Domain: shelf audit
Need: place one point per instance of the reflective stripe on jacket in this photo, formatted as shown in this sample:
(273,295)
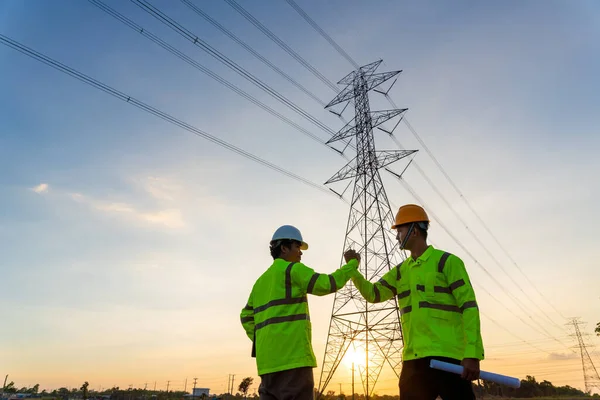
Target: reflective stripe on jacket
(438,308)
(276,317)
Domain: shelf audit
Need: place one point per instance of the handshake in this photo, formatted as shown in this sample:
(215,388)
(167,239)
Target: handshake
(351,255)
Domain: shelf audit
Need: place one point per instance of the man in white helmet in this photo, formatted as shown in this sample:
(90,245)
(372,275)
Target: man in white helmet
(276,317)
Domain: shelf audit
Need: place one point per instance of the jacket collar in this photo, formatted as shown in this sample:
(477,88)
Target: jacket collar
(423,258)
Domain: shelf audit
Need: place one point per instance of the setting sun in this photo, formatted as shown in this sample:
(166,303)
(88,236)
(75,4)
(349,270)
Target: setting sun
(356,356)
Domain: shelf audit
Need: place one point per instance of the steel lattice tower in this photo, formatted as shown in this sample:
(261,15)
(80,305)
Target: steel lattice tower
(590,374)
(373,329)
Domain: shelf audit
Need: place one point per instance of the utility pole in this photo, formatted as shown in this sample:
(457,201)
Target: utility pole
(155,386)
(4,384)
(590,374)
(168,382)
(185,385)
(194,391)
(352,380)
(232,379)
(373,329)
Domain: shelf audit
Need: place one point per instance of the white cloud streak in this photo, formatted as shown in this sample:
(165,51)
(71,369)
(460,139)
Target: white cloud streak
(41,188)
(161,188)
(563,356)
(170,218)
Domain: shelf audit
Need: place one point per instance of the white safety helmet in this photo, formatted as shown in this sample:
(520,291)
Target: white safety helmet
(291,233)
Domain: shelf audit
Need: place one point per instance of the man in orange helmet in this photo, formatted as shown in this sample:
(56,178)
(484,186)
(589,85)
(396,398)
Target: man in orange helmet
(439,313)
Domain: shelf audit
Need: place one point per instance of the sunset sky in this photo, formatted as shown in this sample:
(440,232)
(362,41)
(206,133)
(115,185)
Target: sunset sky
(129,245)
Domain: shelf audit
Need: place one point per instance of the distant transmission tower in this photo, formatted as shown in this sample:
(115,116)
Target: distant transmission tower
(590,374)
(373,330)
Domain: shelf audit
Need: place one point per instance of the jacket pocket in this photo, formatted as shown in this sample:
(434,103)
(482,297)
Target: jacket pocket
(447,326)
(429,283)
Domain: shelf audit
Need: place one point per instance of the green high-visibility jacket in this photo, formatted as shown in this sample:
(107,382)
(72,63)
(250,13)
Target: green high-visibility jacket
(438,308)
(276,317)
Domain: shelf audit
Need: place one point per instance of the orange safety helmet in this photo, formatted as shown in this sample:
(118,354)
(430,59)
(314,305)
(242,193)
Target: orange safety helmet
(410,213)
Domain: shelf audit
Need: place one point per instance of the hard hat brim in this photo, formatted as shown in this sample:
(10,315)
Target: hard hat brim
(396,226)
(304,246)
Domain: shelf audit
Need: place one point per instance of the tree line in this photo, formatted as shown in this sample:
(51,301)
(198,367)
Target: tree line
(116,393)
(530,388)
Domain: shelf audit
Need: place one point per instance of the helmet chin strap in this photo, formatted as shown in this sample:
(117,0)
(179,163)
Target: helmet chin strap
(405,239)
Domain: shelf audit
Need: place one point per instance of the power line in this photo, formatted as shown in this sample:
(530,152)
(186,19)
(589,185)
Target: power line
(555,353)
(147,34)
(256,54)
(473,235)
(317,28)
(463,197)
(162,17)
(513,334)
(515,344)
(154,111)
(281,43)
(128,22)
(457,241)
(482,288)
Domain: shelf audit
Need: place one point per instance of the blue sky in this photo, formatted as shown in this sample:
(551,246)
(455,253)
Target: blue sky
(129,244)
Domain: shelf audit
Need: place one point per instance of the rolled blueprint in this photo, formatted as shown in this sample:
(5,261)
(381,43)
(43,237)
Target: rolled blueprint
(486,376)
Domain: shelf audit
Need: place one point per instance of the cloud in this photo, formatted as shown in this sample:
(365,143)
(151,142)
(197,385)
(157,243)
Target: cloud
(171,218)
(41,188)
(562,356)
(161,188)
(115,207)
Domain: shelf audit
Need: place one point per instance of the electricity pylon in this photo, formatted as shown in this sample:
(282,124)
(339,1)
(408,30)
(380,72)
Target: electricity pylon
(372,329)
(590,374)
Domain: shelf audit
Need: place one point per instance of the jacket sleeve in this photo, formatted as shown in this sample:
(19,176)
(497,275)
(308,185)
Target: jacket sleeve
(380,291)
(462,290)
(247,318)
(318,284)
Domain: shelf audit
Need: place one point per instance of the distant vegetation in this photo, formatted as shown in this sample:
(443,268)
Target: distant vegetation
(530,388)
(245,386)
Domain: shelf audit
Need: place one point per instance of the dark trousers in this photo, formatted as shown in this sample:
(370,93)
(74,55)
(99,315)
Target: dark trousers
(420,382)
(293,384)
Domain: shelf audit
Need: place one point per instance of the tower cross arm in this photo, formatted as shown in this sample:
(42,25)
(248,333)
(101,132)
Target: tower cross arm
(366,69)
(347,171)
(377,118)
(344,95)
(387,157)
(377,79)
(373,81)
(382,159)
